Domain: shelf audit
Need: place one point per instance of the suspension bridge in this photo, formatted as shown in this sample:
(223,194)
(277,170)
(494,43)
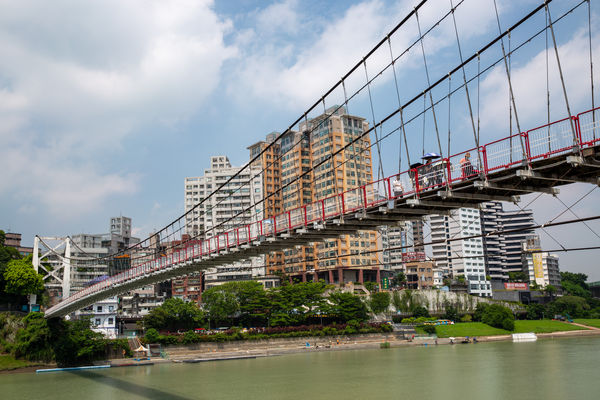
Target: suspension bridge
(534,160)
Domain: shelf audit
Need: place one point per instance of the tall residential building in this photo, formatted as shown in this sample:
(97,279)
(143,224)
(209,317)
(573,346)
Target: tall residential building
(14,240)
(418,235)
(297,191)
(235,204)
(503,251)
(540,267)
(270,164)
(400,238)
(461,257)
(310,172)
(83,272)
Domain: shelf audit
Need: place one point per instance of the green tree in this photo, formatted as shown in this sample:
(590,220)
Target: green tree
(379,302)
(174,314)
(33,341)
(578,279)
(348,307)
(371,286)
(7,254)
(419,311)
(255,306)
(550,291)
(576,307)
(74,343)
(399,280)
(292,304)
(220,303)
(21,279)
(479,311)
(517,276)
(499,317)
(152,336)
(450,312)
(536,311)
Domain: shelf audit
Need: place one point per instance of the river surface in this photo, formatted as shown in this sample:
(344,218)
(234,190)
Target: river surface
(566,368)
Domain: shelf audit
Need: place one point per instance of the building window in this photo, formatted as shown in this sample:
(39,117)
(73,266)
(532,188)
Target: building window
(111,308)
(97,322)
(111,321)
(99,309)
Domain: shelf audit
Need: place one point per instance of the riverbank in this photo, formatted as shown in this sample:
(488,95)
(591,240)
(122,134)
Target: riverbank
(320,344)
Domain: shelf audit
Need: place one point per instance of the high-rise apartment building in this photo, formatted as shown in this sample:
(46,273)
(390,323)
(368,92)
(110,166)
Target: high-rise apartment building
(461,257)
(268,164)
(396,244)
(236,203)
(540,267)
(309,171)
(502,249)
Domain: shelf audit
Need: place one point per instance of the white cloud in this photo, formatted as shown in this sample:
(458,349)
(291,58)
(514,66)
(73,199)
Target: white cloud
(76,79)
(529,86)
(295,75)
(279,17)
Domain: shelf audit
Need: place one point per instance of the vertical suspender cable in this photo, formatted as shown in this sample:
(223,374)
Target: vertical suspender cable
(478,85)
(510,131)
(424,114)
(562,80)
(380,173)
(547,82)
(356,172)
(401,113)
(591,67)
(510,88)
(480,161)
(437,132)
(449,110)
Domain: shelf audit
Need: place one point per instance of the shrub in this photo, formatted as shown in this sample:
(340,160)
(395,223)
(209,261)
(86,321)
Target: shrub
(466,318)
(419,311)
(189,337)
(152,336)
(384,345)
(429,329)
(451,313)
(123,345)
(479,311)
(499,317)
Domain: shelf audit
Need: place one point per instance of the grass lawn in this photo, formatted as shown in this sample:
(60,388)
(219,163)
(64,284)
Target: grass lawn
(7,362)
(481,329)
(591,322)
(544,326)
(468,329)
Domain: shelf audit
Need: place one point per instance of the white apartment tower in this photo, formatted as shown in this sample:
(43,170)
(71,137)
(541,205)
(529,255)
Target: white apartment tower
(219,213)
(461,257)
(540,267)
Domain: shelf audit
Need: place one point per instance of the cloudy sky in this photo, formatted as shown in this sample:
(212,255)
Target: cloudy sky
(105,106)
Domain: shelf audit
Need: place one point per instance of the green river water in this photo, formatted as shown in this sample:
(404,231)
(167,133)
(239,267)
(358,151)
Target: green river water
(547,369)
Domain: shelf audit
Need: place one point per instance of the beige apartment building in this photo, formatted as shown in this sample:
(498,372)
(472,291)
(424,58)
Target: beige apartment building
(309,172)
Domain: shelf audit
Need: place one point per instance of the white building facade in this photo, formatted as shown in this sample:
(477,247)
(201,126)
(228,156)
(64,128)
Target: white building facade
(103,317)
(461,257)
(540,267)
(235,204)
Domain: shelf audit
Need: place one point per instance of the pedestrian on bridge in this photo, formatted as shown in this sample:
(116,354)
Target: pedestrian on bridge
(466,166)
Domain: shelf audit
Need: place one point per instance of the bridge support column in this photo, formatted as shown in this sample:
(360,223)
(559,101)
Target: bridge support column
(340,276)
(378,277)
(315,277)
(360,276)
(330,276)
(304,277)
